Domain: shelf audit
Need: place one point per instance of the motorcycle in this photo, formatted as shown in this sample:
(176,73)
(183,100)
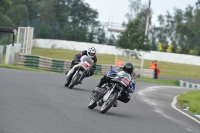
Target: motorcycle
(78,72)
(110,92)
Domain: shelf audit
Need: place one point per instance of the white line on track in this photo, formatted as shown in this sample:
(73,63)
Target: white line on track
(173,104)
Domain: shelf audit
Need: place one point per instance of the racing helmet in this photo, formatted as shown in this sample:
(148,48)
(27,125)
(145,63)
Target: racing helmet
(91,52)
(128,67)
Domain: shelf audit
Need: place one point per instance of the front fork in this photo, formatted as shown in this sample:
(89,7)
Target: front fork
(108,93)
(79,72)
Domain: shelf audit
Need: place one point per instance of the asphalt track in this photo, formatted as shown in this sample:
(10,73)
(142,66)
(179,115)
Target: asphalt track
(35,102)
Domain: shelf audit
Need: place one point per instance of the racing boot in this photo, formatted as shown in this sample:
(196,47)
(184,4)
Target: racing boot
(66,72)
(96,90)
(115,104)
(80,82)
(100,103)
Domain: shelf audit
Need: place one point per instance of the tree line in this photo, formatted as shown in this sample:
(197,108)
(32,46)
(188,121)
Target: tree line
(72,20)
(177,32)
(75,20)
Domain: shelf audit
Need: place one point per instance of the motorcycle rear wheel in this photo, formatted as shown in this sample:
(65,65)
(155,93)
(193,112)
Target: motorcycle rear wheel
(108,104)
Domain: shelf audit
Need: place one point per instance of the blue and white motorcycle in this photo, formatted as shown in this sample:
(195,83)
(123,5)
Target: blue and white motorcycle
(111,91)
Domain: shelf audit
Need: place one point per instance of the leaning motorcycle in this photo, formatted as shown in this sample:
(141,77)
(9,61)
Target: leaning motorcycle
(78,72)
(110,92)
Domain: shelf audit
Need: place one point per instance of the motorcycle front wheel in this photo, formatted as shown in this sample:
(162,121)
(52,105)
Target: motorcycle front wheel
(67,82)
(108,104)
(74,80)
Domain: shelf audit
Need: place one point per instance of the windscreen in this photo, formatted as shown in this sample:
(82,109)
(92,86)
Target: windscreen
(124,74)
(86,58)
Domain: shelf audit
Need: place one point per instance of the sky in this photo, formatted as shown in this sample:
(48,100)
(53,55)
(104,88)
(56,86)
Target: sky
(115,10)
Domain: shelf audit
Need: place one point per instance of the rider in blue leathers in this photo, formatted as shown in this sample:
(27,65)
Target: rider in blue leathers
(124,97)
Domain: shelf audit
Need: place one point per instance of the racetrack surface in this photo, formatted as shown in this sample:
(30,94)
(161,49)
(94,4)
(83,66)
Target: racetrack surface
(36,102)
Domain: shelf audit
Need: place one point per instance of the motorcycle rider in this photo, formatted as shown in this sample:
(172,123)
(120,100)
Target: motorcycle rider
(90,52)
(124,97)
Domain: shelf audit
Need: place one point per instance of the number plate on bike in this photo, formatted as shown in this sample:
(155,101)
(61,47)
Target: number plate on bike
(125,81)
(85,65)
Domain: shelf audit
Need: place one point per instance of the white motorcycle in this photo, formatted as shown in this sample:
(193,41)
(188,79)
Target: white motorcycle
(78,72)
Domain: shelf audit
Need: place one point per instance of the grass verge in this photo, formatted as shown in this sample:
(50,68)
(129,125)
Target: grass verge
(158,81)
(192,99)
(167,68)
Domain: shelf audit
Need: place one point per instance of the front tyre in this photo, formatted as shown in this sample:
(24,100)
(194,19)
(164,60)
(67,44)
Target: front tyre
(67,82)
(92,104)
(108,104)
(74,80)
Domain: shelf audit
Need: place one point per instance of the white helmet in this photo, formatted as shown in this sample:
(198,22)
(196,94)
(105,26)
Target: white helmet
(91,52)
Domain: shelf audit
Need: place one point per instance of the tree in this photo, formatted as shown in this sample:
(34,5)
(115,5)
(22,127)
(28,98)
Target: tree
(153,36)
(44,30)
(111,40)
(101,36)
(4,6)
(82,17)
(178,32)
(5,21)
(62,12)
(137,10)
(32,9)
(174,46)
(57,19)
(46,11)
(134,9)
(18,13)
(17,2)
(133,37)
(91,36)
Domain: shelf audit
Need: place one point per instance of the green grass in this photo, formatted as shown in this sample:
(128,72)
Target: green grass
(167,69)
(55,53)
(158,81)
(3,60)
(191,98)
